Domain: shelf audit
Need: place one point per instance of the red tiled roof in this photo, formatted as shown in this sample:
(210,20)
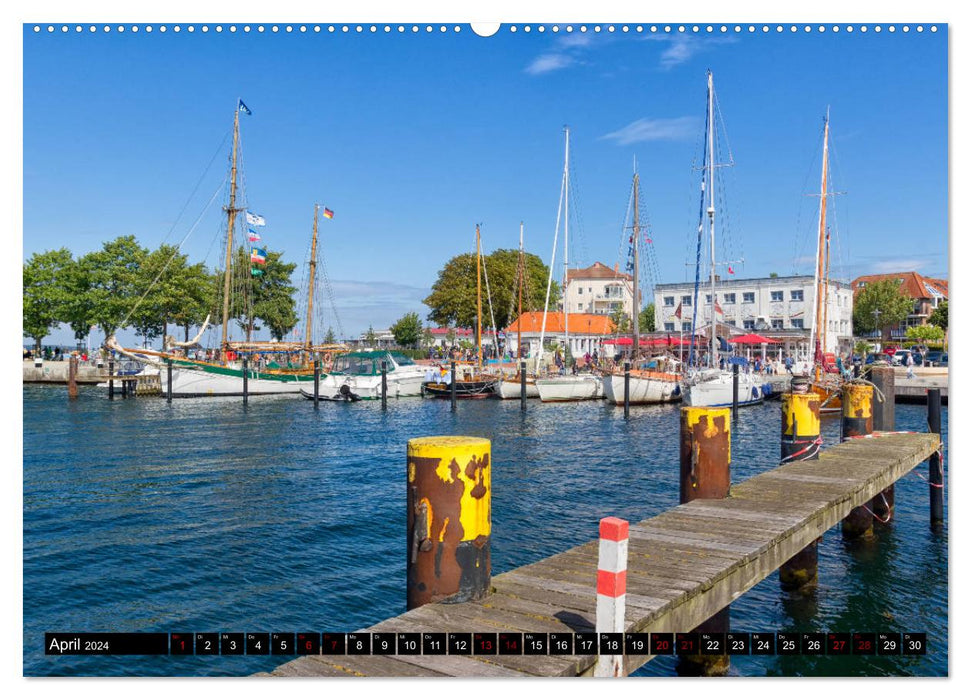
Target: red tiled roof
(532,322)
(597,271)
(912,284)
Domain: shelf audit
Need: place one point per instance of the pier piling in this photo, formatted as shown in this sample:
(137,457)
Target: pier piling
(627,390)
(168,375)
(857,420)
(883,420)
(522,385)
(706,473)
(111,381)
(245,380)
(800,441)
(316,382)
(935,463)
(734,391)
(449,519)
(72,377)
(453,386)
(612,591)
(384,385)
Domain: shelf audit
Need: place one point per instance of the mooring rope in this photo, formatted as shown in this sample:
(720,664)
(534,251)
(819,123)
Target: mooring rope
(809,445)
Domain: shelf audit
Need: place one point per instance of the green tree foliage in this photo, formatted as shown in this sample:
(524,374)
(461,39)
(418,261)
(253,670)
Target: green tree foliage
(330,338)
(267,297)
(621,320)
(939,316)
(646,319)
(453,297)
(370,337)
(46,292)
(925,333)
(427,338)
(883,296)
(407,330)
(111,282)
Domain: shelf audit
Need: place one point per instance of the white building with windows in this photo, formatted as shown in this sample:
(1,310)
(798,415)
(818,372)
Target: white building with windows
(599,289)
(777,307)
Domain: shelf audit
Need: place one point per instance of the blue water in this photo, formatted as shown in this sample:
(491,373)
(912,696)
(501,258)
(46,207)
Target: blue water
(207,515)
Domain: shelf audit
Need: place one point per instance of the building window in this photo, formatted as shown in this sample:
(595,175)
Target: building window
(730,298)
(669,326)
(686,326)
(795,295)
(776,296)
(796,323)
(777,323)
(580,290)
(748,325)
(748,297)
(669,301)
(579,307)
(686,301)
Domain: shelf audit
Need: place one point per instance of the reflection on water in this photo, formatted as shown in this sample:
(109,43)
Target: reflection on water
(205,515)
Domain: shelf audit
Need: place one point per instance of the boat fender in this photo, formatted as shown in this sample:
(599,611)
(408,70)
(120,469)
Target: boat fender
(755,392)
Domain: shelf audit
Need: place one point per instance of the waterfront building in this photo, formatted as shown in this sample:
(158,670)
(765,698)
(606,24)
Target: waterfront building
(926,292)
(587,331)
(599,289)
(780,308)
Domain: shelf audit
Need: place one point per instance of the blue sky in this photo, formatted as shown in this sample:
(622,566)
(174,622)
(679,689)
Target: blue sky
(412,139)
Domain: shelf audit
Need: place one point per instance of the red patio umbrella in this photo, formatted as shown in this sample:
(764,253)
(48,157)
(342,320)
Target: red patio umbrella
(751,339)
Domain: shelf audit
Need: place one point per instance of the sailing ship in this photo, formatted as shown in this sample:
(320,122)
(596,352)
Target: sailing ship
(710,385)
(471,383)
(565,387)
(224,377)
(647,382)
(828,387)
(510,387)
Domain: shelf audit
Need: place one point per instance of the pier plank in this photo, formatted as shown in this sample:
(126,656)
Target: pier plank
(684,565)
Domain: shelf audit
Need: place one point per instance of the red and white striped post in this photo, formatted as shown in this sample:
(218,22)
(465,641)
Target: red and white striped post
(611,590)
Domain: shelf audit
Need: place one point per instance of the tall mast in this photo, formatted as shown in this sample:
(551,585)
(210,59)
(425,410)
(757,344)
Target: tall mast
(478,290)
(825,336)
(711,209)
(522,280)
(637,233)
(313,273)
(231,216)
(566,244)
(820,250)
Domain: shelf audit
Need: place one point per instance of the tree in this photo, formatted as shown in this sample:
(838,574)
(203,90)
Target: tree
(46,290)
(407,330)
(880,306)
(453,297)
(369,337)
(646,319)
(773,275)
(329,338)
(197,295)
(925,333)
(267,297)
(427,337)
(939,316)
(621,319)
(110,282)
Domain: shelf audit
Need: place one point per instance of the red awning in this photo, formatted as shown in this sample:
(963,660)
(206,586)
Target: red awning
(751,339)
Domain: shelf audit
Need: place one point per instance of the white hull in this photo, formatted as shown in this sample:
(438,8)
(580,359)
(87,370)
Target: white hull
(714,388)
(401,382)
(580,387)
(641,389)
(188,382)
(511,389)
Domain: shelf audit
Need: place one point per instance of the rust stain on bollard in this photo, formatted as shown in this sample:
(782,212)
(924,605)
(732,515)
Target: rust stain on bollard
(449,519)
(705,453)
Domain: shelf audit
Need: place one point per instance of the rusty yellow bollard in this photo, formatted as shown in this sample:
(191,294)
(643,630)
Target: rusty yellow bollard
(857,420)
(449,519)
(800,441)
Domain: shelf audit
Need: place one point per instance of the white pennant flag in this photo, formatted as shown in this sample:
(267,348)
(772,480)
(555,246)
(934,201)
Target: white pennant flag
(255,219)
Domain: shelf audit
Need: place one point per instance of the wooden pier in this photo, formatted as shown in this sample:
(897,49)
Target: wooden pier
(684,566)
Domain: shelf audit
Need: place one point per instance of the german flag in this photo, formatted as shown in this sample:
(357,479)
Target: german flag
(328,214)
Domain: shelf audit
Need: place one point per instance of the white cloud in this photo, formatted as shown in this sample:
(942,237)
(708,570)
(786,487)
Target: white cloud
(681,49)
(549,62)
(654,130)
(898,265)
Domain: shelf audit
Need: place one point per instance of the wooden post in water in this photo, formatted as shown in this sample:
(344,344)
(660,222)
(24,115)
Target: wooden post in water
(124,388)
(316,382)
(857,420)
(453,386)
(734,390)
(627,389)
(800,441)
(935,463)
(883,420)
(522,385)
(612,591)
(168,378)
(72,376)
(245,380)
(449,519)
(706,473)
(111,381)
(384,385)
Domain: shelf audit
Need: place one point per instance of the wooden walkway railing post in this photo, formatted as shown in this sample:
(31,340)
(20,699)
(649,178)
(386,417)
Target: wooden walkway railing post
(883,420)
(857,421)
(611,591)
(800,441)
(706,473)
(935,464)
(449,519)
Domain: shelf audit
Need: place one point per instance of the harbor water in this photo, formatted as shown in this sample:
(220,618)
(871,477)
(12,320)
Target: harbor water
(205,515)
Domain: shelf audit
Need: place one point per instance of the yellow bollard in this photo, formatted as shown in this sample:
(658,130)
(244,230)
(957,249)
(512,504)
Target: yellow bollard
(449,519)
(800,441)
(857,421)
